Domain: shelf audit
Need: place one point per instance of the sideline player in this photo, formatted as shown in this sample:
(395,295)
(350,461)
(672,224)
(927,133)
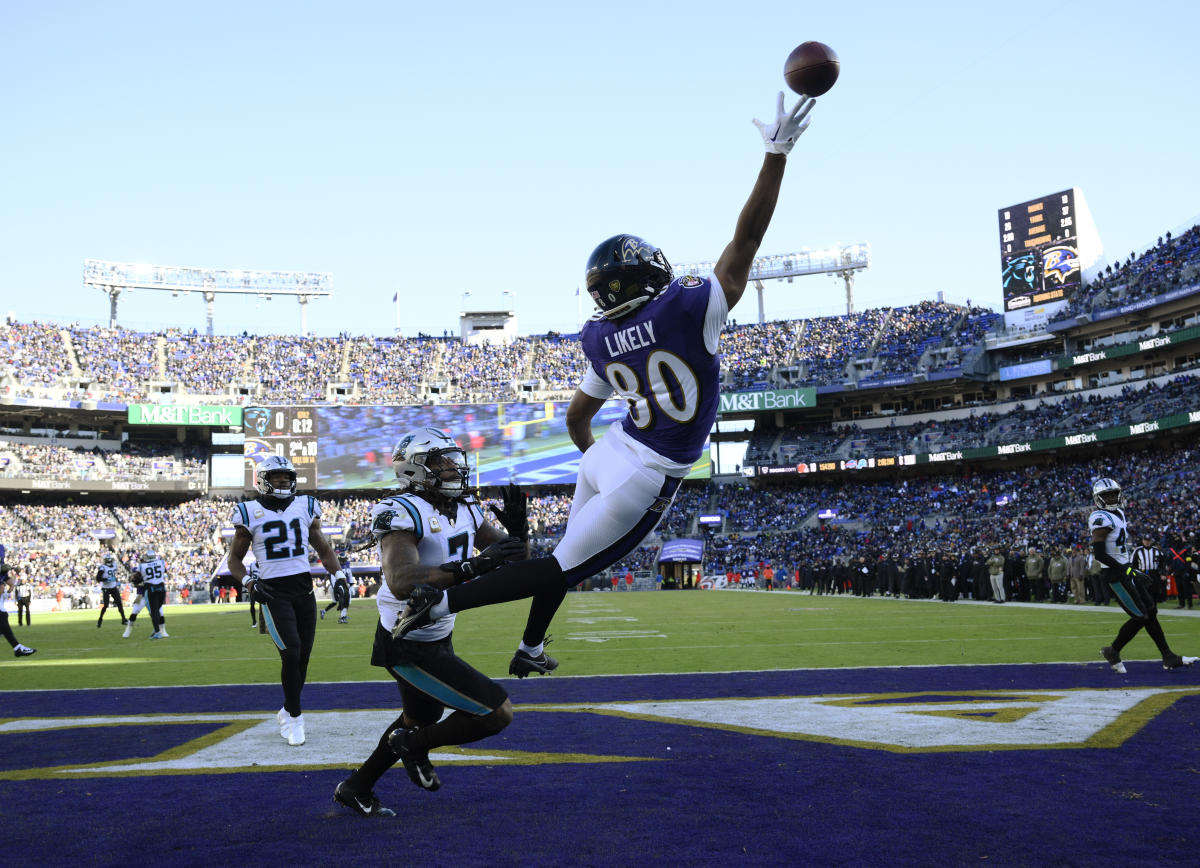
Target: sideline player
(106,575)
(281,526)
(425,535)
(654,342)
(8,581)
(1131,587)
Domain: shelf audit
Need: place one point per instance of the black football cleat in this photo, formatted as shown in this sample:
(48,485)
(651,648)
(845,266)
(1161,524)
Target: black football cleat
(1114,659)
(416,762)
(416,614)
(23,651)
(522,664)
(363,804)
(1177,662)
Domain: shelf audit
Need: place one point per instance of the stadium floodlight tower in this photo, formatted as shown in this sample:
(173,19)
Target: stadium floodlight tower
(116,277)
(841,262)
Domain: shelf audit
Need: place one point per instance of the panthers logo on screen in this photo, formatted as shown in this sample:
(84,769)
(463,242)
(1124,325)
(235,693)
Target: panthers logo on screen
(256,418)
(1020,274)
(1059,264)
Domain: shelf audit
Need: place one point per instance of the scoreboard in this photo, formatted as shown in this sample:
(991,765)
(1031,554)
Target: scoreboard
(287,431)
(1039,250)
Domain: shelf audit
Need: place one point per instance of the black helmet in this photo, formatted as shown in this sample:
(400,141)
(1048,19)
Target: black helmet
(625,272)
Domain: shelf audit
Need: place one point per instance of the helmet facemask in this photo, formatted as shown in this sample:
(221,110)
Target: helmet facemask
(270,467)
(1107,494)
(422,466)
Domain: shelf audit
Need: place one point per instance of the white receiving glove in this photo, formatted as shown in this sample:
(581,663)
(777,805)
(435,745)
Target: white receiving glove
(781,135)
(342,575)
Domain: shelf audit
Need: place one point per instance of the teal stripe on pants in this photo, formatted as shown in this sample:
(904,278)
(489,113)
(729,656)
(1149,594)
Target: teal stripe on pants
(1122,594)
(442,692)
(271,630)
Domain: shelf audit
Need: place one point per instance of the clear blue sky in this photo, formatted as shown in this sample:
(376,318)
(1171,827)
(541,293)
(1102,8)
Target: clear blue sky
(436,149)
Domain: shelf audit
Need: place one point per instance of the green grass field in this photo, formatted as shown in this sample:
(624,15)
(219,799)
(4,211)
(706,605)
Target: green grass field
(595,634)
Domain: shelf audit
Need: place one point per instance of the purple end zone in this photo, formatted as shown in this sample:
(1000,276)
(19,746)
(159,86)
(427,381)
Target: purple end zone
(717,797)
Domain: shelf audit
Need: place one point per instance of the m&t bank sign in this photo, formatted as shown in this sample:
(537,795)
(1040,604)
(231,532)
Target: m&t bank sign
(752,402)
(174,414)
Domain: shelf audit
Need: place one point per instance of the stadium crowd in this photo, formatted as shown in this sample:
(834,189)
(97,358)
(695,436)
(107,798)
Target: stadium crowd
(115,364)
(28,459)
(911,523)
(1033,420)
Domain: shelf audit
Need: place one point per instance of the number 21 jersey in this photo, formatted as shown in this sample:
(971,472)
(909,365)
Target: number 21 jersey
(280,537)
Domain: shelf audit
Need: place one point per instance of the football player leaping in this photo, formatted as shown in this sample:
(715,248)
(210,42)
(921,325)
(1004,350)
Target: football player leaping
(1110,544)
(426,537)
(655,343)
(281,526)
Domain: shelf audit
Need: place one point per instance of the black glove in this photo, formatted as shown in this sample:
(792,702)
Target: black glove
(257,588)
(514,516)
(508,549)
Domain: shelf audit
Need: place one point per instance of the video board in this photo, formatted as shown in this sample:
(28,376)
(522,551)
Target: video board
(350,447)
(1039,251)
(287,431)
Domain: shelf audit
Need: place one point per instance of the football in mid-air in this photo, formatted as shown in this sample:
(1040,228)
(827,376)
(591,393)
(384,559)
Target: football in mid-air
(811,68)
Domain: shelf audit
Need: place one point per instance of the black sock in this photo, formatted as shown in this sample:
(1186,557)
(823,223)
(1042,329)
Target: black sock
(541,613)
(365,777)
(457,728)
(1155,631)
(514,581)
(1128,631)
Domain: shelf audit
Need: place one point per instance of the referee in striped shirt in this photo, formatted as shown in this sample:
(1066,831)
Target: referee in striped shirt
(1148,559)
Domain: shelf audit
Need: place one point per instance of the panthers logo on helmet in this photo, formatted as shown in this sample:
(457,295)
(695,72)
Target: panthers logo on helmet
(269,466)
(412,456)
(1107,494)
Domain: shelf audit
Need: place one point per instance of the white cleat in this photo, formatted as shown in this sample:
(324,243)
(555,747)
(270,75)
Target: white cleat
(128,631)
(281,716)
(295,736)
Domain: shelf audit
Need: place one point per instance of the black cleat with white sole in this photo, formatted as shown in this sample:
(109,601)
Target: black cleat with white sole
(416,762)
(363,804)
(416,614)
(1177,662)
(523,664)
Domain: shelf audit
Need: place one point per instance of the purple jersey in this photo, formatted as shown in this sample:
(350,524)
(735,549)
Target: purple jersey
(657,359)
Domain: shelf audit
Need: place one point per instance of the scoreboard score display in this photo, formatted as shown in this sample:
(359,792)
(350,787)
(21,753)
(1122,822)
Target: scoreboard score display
(287,431)
(1039,250)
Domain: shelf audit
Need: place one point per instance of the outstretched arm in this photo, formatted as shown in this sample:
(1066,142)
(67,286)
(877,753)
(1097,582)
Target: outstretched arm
(733,267)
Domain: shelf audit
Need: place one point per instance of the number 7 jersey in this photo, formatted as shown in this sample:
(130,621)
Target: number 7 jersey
(439,541)
(280,538)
